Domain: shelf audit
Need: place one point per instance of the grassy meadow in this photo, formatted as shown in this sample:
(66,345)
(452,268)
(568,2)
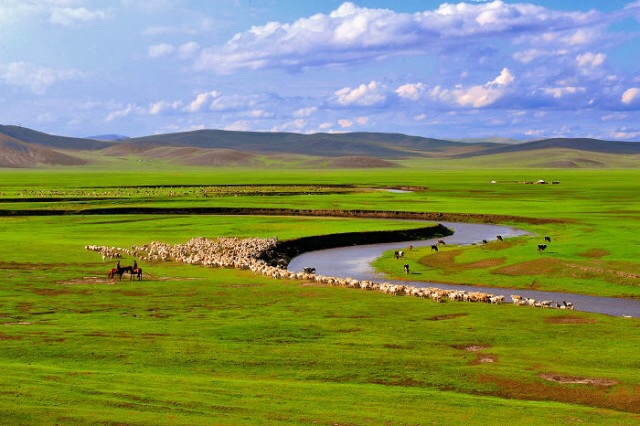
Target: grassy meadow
(193,345)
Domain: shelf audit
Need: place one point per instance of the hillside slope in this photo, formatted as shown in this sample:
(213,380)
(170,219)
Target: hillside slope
(51,141)
(24,147)
(381,145)
(18,154)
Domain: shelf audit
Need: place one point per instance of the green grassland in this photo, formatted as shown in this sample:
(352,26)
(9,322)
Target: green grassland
(193,345)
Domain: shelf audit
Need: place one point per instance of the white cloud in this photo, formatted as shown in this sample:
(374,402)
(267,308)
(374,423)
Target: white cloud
(353,34)
(487,94)
(344,123)
(159,50)
(305,112)
(590,60)
(201,100)
(35,78)
(626,133)
(259,113)
(630,96)
(184,51)
(411,91)
(560,92)
(239,126)
(68,16)
(159,107)
(67,13)
(365,95)
(121,113)
(188,50)
(297,125)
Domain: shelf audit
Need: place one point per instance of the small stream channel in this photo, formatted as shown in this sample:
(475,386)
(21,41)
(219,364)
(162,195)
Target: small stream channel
(355,262)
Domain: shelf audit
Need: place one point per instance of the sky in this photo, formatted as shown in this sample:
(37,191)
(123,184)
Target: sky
(476,69)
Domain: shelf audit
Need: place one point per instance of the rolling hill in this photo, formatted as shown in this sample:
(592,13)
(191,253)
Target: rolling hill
(23,147)
(15,153)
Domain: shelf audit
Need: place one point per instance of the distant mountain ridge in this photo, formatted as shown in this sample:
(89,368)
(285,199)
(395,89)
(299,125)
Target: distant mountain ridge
(581,144)
(108,137)
(23,147)
(51,141)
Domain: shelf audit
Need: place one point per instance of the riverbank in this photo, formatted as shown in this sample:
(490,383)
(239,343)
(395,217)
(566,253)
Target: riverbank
(286,250)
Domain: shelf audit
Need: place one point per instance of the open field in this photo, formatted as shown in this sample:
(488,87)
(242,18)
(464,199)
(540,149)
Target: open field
(195,345)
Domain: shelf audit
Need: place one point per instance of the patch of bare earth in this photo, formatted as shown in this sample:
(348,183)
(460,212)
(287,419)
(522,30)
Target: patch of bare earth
(616,273)
(87,280)
(446,317)
(542,266)
(577,380)
(594,253)
(481,358)
(446,262)
(603,393)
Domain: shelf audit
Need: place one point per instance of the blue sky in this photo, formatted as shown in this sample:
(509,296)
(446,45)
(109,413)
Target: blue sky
(475,69)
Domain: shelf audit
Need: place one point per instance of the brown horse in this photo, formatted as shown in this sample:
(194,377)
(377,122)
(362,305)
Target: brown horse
(112,273)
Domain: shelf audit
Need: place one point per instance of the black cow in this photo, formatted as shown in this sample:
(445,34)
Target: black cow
(406,268)
(547,238)
(542,247)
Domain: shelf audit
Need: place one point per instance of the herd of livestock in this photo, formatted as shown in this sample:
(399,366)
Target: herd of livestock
(257,255)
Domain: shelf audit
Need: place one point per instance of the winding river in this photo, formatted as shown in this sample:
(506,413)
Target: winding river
(355,262)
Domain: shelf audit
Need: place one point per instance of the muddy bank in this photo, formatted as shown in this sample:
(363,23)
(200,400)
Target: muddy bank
(286,250)
(382,214)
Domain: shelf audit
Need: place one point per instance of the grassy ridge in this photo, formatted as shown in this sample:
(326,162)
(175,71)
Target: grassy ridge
(192,345)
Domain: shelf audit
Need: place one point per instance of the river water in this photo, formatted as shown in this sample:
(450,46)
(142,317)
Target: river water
(355,262)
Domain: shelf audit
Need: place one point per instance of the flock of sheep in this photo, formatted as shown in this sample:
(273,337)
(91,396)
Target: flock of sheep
(259,255)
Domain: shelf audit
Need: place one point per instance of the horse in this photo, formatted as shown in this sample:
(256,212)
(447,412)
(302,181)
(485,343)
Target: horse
(112,273)
(137,272)
(119,270)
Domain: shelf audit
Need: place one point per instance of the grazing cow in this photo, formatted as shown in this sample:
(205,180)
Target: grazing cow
(406,268)
(434,247)
(441,242)
(547,238)
(485,242)
(499,238)
(541,247)
(401,253)
(396,254)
